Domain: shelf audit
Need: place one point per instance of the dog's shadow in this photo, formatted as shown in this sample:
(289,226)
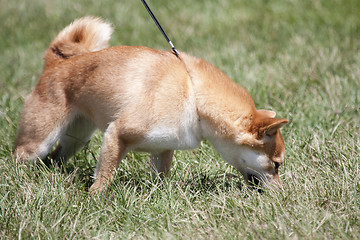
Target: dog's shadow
(83,172)
(207,182)
(81,168)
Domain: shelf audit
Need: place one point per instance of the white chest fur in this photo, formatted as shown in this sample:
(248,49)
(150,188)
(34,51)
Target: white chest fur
(182,133)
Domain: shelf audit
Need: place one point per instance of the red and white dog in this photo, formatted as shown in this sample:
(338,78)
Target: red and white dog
(143,99)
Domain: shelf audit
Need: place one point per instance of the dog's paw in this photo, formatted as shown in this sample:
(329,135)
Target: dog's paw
(97,187)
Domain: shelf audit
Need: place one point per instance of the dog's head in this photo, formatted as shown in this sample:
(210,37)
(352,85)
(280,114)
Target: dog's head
(259,152)
(266,150)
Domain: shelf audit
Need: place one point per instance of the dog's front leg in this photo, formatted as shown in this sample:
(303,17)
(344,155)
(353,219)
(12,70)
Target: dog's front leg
(112,151)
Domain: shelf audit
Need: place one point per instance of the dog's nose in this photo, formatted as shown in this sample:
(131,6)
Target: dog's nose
(274,182)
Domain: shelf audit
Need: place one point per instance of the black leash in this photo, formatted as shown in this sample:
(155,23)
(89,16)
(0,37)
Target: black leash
(160,28)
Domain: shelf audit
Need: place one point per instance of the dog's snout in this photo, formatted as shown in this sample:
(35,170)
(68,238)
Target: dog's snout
(258,183)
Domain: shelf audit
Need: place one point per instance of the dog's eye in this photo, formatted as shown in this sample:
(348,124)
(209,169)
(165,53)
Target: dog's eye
(276,165)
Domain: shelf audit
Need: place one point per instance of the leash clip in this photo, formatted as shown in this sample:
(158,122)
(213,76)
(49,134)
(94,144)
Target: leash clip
(160,28)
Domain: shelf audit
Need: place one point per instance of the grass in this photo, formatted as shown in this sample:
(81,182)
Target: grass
(298,57)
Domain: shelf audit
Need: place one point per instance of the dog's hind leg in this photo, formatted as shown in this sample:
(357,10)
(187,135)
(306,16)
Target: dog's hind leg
(41,125)
(76,135)
(162,162)
(112,151)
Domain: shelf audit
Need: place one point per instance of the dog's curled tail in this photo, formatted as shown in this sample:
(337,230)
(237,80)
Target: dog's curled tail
(87,34)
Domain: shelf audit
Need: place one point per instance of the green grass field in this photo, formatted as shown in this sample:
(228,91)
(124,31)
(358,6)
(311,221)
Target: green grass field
(300,58)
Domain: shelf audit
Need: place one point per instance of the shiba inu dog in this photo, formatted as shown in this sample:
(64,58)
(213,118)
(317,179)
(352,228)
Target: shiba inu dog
(145,100)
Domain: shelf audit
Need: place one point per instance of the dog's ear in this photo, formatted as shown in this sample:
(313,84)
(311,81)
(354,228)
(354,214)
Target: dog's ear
(267,124)
(266,113)
(270,126)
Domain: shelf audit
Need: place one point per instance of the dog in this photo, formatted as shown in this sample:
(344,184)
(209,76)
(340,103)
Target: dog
(144,100)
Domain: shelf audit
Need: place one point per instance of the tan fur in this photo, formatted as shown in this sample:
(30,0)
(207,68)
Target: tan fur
(144,99)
